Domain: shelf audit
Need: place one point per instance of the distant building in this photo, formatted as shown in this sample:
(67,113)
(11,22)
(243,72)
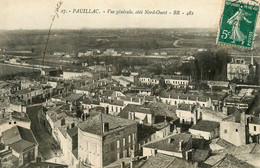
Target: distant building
(176,98)
(240,70)
(103,139)
(87,53)
(173,80)
(176,81)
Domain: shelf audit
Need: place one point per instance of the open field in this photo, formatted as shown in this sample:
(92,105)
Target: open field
(6,70)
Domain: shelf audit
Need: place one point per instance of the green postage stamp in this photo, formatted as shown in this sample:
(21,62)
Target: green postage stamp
(238,22)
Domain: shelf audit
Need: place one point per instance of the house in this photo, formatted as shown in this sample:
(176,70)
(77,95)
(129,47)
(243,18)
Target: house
(176,81)
(138,113)
(18,107)
(73,100)
(187,113)
(83,90)
(177,145)
(74,74)
(103,139)
(124,80)
(254,129)
(50,72)
(206,129)
(218,84)
(149,79)
(9,120)
(113,107)
(172,98)
(89,103)
(234,129)
(143,91)
(131,100)
(68,141)
(22,143)
(57,117)
(241,70)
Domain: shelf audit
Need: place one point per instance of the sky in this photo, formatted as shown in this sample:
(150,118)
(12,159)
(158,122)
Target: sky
(37,14)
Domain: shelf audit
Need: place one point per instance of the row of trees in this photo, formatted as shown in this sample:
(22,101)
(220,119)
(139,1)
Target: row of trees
(207,66)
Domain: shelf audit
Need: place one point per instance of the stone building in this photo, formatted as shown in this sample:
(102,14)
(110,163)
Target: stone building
(103,139)
(241,70)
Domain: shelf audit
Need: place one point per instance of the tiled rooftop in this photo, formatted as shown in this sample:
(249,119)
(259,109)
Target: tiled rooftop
(205,125)
(93,124)
(172,146)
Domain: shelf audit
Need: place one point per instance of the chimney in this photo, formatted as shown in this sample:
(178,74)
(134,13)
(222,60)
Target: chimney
(105,127)
(189,154)
(224,110)
(131,99)
(180,145)
(243,119)
(154,152)
(170,140)
(190,106)
(178,97)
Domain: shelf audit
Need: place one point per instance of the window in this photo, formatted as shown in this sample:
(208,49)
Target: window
(236,130)
(254,128)
(118,155)
(14,122)
(123,141)
(129,138)
(225,131)
(118,144)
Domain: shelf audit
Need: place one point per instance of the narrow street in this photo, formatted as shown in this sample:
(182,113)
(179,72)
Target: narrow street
(42,136)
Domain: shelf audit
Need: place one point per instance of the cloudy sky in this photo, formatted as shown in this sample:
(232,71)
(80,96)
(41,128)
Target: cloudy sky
(36,14)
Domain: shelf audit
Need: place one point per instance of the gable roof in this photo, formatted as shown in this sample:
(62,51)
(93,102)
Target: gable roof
(19,138)
(205,125)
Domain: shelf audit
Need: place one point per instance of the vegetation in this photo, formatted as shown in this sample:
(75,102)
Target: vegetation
(207,66)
